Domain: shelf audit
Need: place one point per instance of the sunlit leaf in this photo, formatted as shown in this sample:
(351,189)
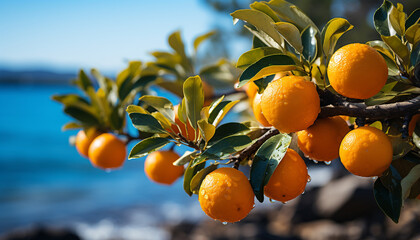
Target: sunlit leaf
(334,29)
(310,44)
(202,38)
(207,130)
(398,47)
(71,126)
(413,34)
(265,162)
(185,158)
(220,111)
(194,99)
(263,39)
(172,86)
(291,34)
(263,7)
(189,174)
(199,177)
(84,81)
(228,129)
(147,146)
(261,21)
(161,104)
(136,109)
(68,99)
(284,62)
(397,19)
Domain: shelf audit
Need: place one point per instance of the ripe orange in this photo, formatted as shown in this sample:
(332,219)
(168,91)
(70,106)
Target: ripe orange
(289,179)
(321,141)
(226,195)
(256,107)
(290,104)
(251,89)
(107,151)
(412,124)
(160,169)
(366,151)
(188,132)
(84,139)
(357,71)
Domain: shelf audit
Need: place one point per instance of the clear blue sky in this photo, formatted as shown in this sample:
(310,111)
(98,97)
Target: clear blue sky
(93,33)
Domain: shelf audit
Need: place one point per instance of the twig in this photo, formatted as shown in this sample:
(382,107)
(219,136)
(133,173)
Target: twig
(383,111)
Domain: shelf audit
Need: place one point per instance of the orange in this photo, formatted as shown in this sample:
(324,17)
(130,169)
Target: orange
(289,179)
(290,104)
(357,71)
(226,195)
(251,89)
(160,169)
(321,141)
(188,132)
(107,151)
(208,90)
(366,152)
(84,139)
(256,107)
(412,124)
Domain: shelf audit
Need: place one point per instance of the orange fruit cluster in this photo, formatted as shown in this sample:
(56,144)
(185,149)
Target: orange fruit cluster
(104,150)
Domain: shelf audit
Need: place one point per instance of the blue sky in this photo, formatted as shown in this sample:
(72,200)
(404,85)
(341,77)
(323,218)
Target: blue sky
(94,33)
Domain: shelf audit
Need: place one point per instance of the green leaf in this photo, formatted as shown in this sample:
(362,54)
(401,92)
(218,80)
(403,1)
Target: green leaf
(262,83)
(136,109)
(147,146)
(71,126)
(176,43)
(207,130)
(310,44)
(189,174)
(263,7)
(263,39)
(202,38)
(223,148)
(199,177)
(271,60)
(415,55)
(413,18)
(161,104)
(380,18)
(389,197)
(146,123)
(185,158)
(397,19)
(400,147)
(174,87)
(228,129)
(84,81)
(413,34)
(220,111)
(82,115)
(334,29)
(398,47)
(252,56)
(290,13)
(408,181)
(291,34)
(68,99)
(261,21)
(268,156)
(194,99)
(117,118)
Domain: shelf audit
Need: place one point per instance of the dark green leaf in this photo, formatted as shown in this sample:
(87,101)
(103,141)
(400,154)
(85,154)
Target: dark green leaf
(189,174)
(117,118)
(146,123)
(257,43)
(310,44)
(199,177)
(380,18)
(220,110)
(252,56)
(161,104)
(263,82)
(223,148)
(82,115)
(146,146)
(194,99)
(226,130)
(84,81)
(389,198)
(415,55)
(264,62)
(68,99)
(265,162)
(413,18)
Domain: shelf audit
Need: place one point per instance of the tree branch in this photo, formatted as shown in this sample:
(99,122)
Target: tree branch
(383,111)
(247,152)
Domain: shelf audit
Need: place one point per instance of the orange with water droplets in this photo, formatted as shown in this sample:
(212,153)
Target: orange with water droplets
(321,141)
(289,179)
(290,104)
(226,195)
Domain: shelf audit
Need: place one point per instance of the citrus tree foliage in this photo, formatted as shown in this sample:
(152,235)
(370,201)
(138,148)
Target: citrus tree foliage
(284,39)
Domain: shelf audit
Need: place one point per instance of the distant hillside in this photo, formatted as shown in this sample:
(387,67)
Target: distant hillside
(35,77)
